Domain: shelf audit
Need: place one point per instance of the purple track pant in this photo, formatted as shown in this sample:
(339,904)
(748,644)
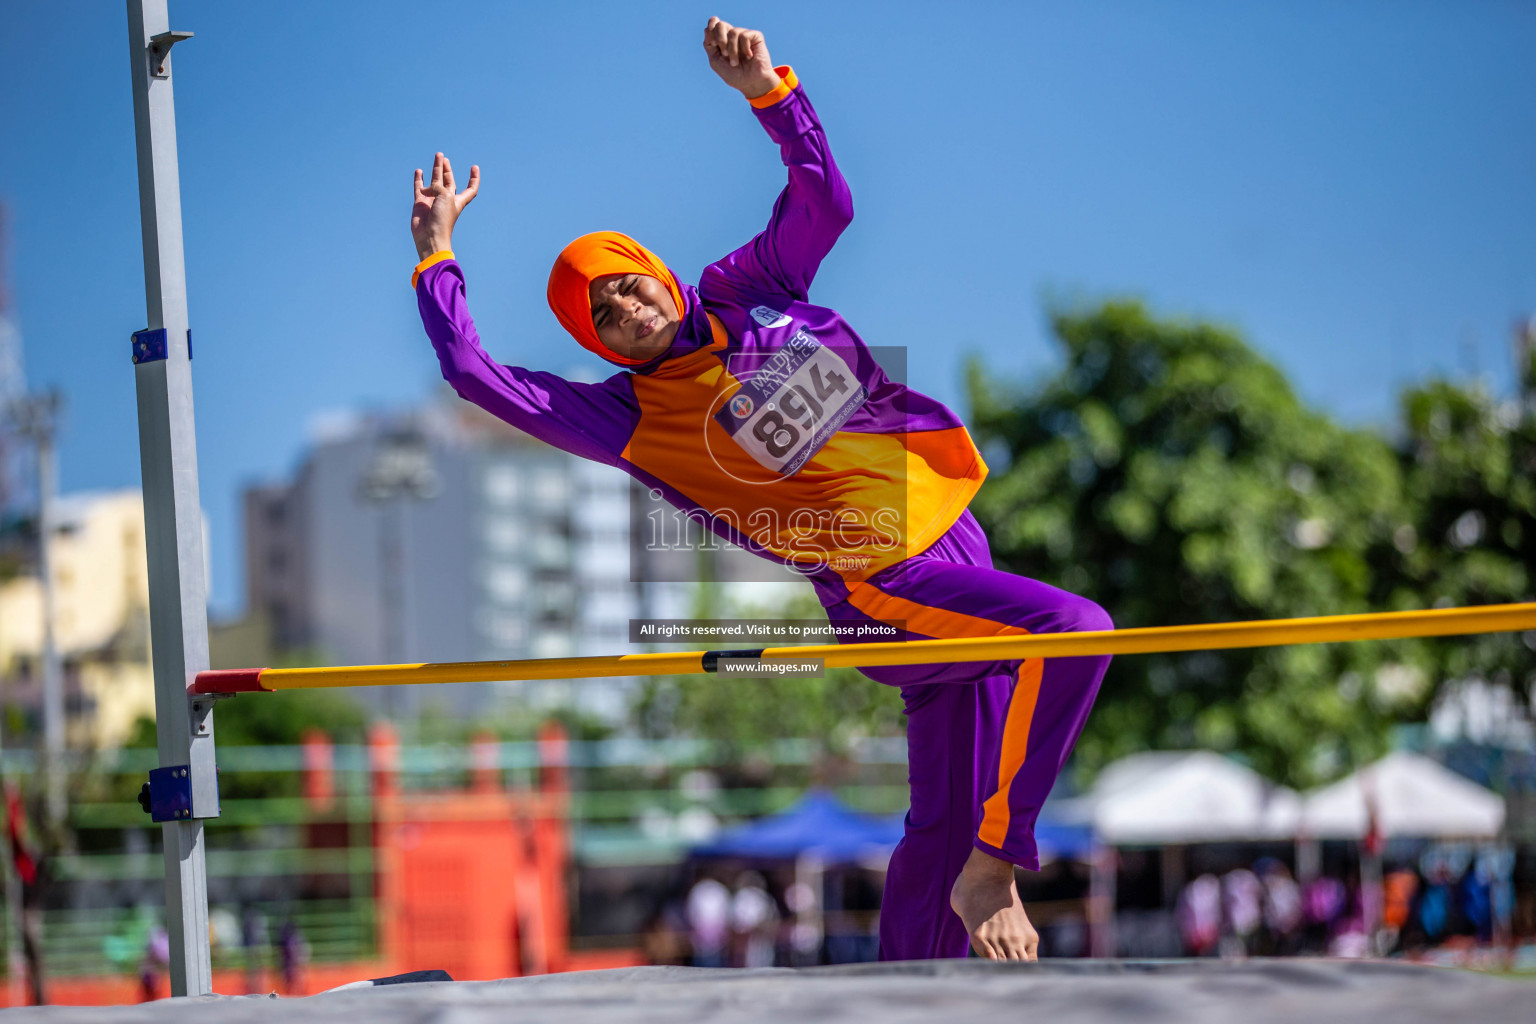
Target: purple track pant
(985,741)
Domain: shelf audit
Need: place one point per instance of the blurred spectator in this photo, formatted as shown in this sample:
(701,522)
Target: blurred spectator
(709,922)
(1282,909)
(1398,889)
(292,955)
(805,926)
(1351,940)
(1323,900)
(1496,865)
(1200,915)
(157,958)
(754,921)
(1352,935)
(1437,907)
(32,871)
(1242,897)
(1477,904)
(665,936)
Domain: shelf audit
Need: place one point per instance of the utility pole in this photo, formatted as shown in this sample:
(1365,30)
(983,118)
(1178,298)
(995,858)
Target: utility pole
(13,381)
(56,771)
(401,472)
(184,789)
(1525,363)
(35,417)
(16,408)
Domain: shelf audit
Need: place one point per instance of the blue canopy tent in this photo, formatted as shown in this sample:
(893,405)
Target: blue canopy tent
(1058,840)
(823,838)
(818,824)
(819,833)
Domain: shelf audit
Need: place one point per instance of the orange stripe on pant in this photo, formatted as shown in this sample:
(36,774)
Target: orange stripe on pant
(941,623)
(1021,715)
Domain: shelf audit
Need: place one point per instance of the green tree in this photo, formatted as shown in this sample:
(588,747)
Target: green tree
(276,719)
(1469,468)
(747,715)
(1170,473)
(269,719)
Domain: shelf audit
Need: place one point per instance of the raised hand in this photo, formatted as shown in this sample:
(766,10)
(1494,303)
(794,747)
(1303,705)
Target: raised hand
(437,206)
(740,57)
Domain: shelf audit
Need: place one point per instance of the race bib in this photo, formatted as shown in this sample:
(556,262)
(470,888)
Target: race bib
(792,405)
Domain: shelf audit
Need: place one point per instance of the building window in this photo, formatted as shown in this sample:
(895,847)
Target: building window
(551,489)
(555,598)
(503,535)
(505,584)
(501,629)
(501,485)
(549,550)
(552,645)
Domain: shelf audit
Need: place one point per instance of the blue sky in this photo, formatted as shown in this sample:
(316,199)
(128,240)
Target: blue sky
(1349,184)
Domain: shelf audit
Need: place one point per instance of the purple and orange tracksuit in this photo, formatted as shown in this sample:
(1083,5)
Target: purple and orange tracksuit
(769,419)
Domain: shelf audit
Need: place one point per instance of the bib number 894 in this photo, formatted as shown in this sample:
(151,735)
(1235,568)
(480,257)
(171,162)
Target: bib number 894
(779,435)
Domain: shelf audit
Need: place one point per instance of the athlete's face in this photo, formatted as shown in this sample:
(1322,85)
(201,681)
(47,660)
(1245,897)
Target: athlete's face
(634,315)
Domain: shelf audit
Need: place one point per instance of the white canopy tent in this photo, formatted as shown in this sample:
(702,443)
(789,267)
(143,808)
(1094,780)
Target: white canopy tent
(1187,797)
(1412,796)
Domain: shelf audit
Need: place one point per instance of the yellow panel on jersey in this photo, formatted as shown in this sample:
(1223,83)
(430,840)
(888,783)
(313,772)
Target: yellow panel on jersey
(865,501)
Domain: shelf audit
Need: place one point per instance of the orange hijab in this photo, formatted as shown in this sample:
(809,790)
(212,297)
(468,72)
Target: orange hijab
(592,256)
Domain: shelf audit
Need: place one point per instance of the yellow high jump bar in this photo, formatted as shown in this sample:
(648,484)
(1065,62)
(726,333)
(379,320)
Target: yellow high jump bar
(1498,618)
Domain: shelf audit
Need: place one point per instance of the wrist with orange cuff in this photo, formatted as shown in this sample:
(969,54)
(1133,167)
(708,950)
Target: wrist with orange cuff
(787,82)
(433,260)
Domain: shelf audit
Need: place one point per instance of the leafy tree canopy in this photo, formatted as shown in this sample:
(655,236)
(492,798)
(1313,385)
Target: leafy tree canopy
(1469,466)
(276,719)
(268,719)
(1170,473)
(747,715)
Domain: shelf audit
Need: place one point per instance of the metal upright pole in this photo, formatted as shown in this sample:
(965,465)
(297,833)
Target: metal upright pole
(391,547)
(36,418)
(55,770)
(401,471)
(172,512)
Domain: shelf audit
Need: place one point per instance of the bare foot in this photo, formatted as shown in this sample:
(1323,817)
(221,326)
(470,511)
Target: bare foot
(987,900)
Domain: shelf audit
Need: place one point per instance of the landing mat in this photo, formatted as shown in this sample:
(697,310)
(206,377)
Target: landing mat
(1055,992)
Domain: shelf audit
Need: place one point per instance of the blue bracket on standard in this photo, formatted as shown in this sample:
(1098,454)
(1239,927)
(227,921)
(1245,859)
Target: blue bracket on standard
(150,345)
(169,794)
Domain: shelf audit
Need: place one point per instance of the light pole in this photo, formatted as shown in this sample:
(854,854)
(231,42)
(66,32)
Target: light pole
(401,471)
(36,417)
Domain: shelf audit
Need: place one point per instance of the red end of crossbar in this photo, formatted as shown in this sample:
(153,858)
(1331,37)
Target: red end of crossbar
(229,680)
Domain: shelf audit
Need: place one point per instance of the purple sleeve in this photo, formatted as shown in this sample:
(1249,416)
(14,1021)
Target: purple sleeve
(593,421)
(810,214)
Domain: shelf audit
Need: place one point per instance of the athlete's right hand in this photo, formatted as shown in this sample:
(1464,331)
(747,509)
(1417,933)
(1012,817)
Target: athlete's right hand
(740,57)
(438,207)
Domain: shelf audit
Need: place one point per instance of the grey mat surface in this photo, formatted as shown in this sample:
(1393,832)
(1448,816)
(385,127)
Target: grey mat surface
(1058,992)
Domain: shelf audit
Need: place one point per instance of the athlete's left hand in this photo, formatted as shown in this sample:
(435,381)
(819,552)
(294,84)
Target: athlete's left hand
(740,57)
(438,206)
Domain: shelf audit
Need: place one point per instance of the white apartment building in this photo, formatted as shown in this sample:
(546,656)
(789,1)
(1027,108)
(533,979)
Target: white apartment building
(101,619)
